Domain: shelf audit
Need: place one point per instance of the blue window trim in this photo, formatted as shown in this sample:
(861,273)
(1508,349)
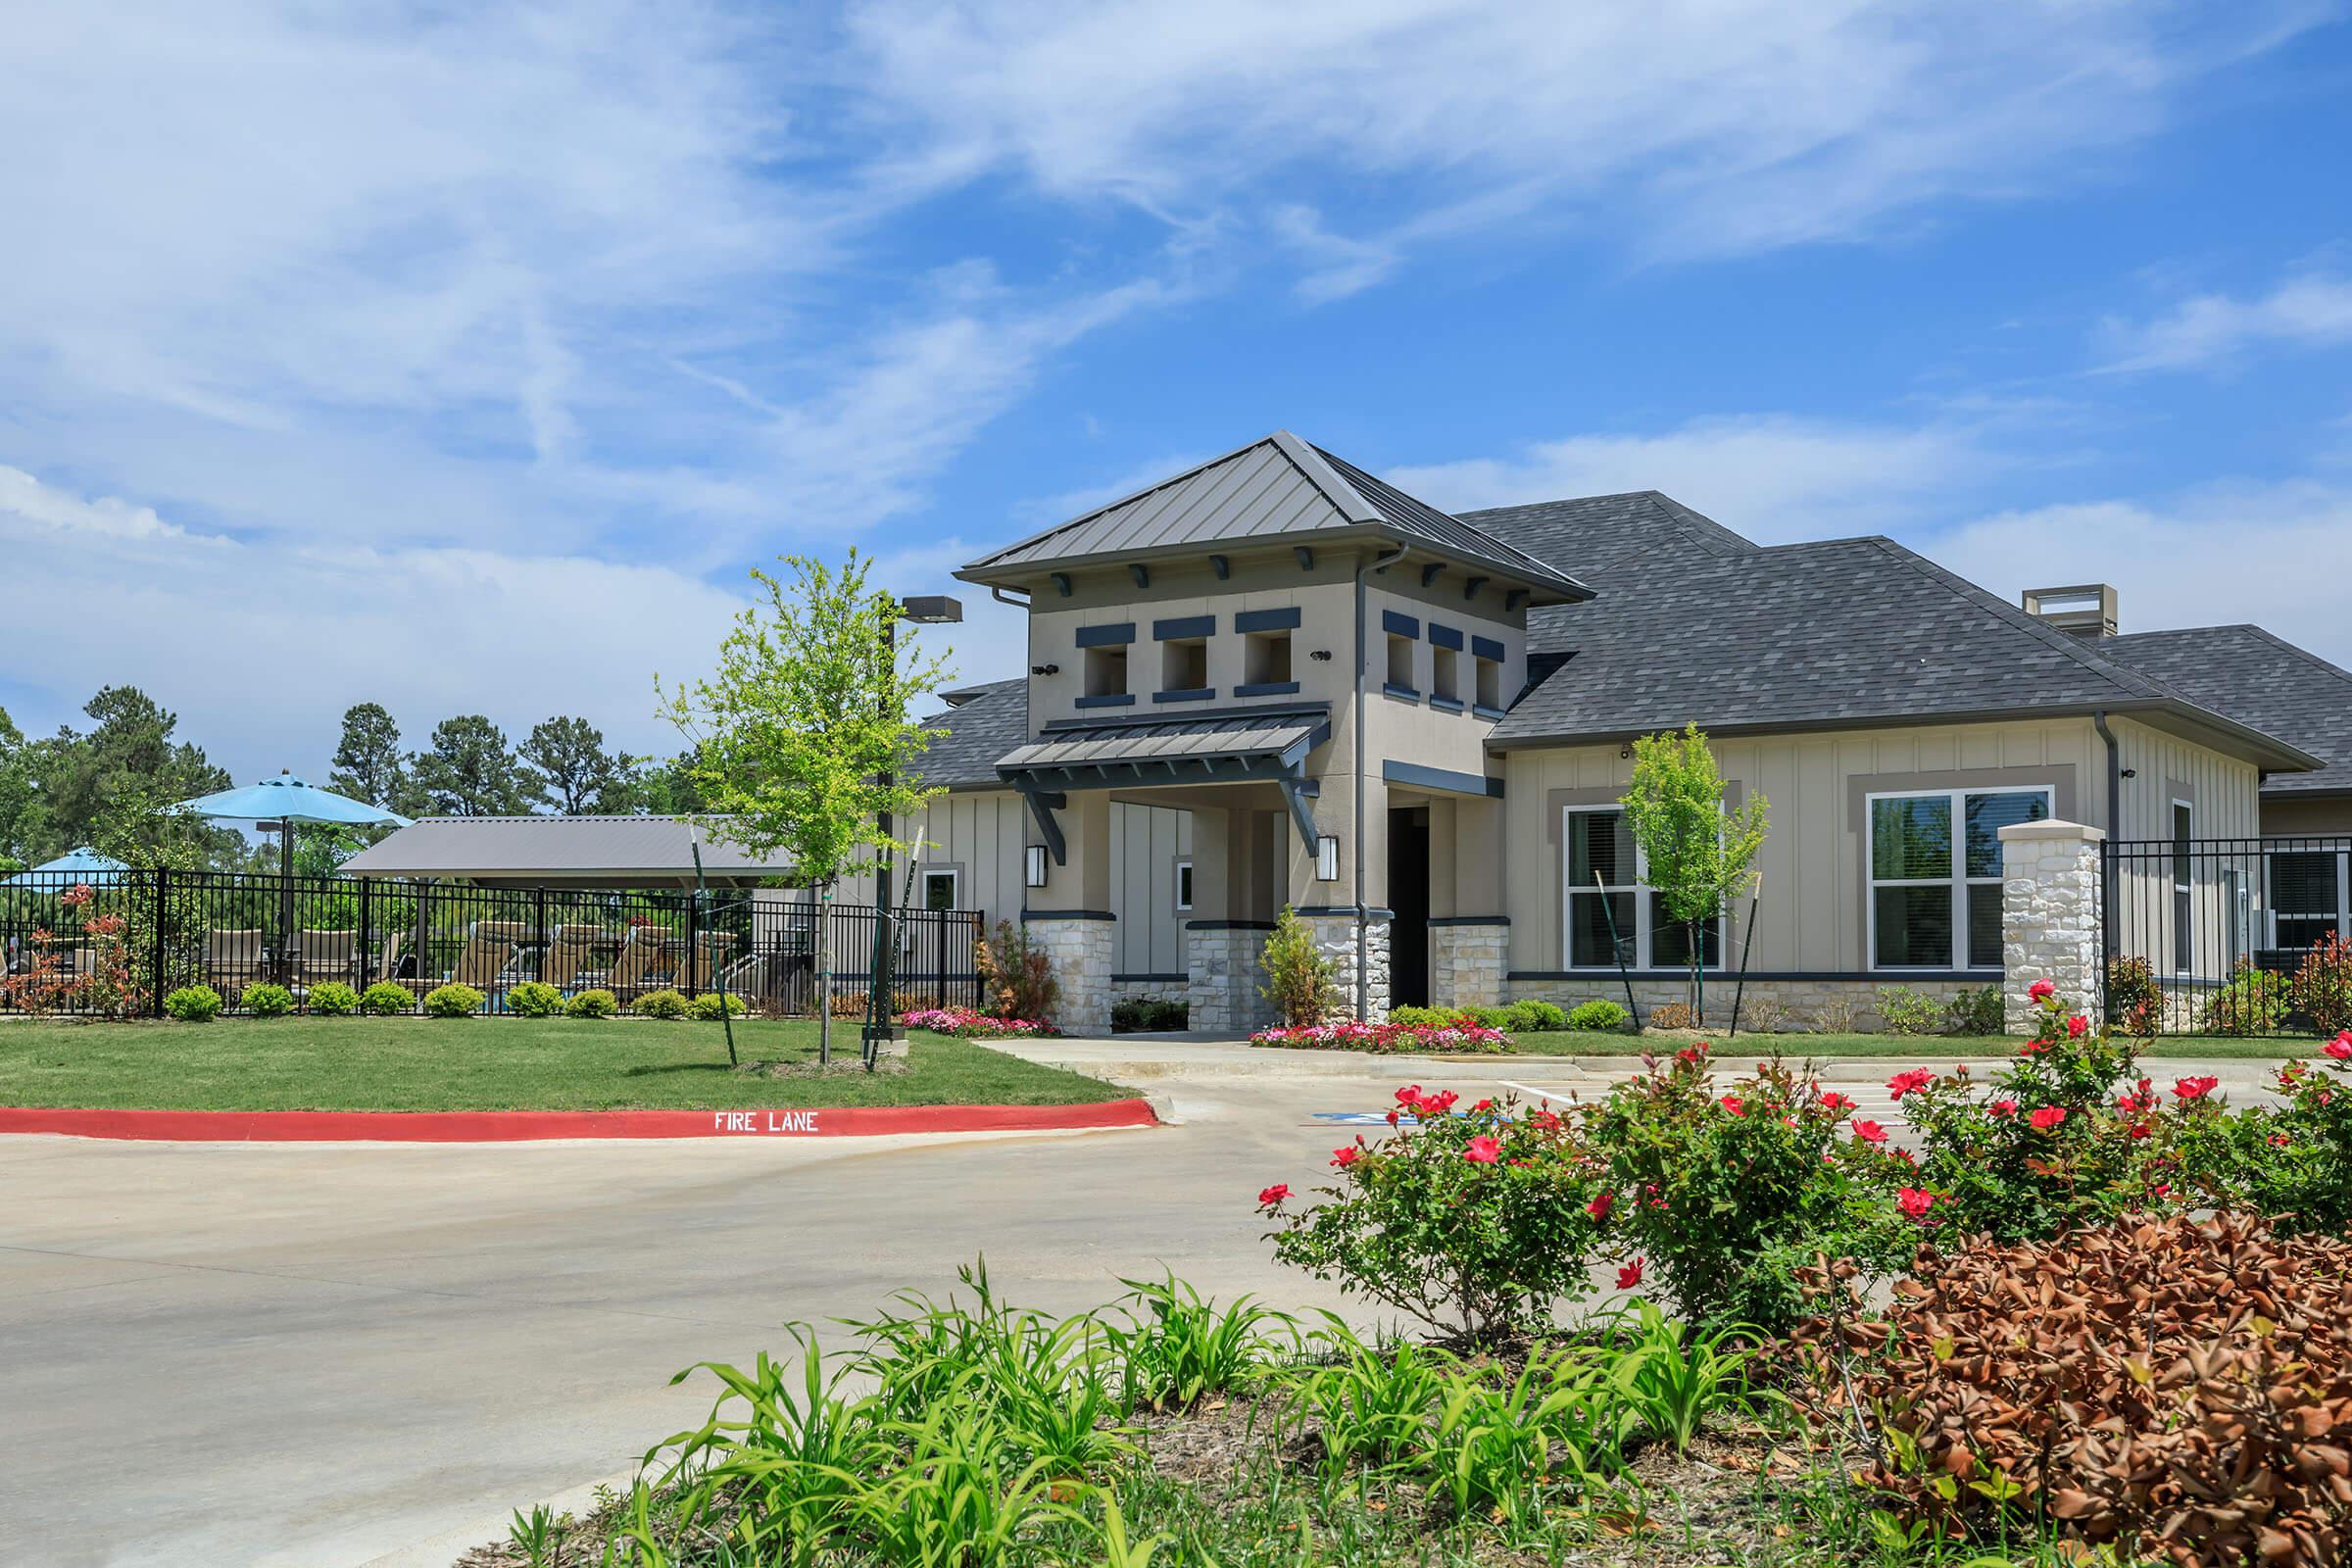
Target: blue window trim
(1106,636)
(1178,629)
(1403,694)
(1486,648)
(1112,700)
(1266,688)
(1266,619)
(1399,625)
(1447,705)
(1484,711)
(1444,637)
(1190,694)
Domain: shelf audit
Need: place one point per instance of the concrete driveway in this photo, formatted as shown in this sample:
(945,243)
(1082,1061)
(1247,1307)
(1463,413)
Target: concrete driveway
(258,1354)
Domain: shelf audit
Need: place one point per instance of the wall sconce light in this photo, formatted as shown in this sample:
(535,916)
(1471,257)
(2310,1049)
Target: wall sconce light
(1045,669)
(1032,867)
(1327,859)
(1321,656)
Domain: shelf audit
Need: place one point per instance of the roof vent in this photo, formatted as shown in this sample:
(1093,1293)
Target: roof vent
(2086,610)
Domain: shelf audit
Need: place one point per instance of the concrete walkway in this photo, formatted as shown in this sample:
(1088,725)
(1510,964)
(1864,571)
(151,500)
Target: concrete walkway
(319,1354)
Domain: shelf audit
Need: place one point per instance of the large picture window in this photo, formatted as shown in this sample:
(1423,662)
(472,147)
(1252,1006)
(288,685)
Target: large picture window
(1935,875)
(1605,895)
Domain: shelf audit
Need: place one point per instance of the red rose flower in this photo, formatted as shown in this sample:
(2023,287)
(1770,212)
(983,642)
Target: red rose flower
(1483,1151)
(1629,1275)
(2003,1108)
(2194,1088)
(1914,1202)
(1437,1104)
(1902,1083)
(1599,1207)
(1732,1104)
(1833,1100)
(1345,1158)
(2340,1047)
(2048,1117)
(1272,1196)
(1870,1132)
(1409,1095)
(2076,1027)
(2042,990)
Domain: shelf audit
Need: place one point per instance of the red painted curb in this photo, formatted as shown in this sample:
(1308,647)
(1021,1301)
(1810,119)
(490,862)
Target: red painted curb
(518,1126)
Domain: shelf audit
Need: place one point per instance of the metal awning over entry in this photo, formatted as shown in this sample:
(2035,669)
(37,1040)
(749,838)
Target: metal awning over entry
(1267,745)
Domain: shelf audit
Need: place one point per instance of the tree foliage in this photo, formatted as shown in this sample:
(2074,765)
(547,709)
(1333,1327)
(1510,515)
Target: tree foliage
(1695,850)
(104,785)
(574,771)
(470,770)
(368,763)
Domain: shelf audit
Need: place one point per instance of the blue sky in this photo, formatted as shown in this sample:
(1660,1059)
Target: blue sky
(462,359)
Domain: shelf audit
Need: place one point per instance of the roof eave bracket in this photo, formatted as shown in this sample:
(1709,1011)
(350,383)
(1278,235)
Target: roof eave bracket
(1043,804)
(1297,791)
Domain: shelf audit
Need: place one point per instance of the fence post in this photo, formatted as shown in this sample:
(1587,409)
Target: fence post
(539,933)
(686,964)
(2052,917)
(162,877)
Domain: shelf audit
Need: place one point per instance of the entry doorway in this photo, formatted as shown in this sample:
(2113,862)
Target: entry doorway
(1409,897)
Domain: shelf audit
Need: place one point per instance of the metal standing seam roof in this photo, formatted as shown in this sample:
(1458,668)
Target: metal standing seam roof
(2263,680)
(1276,733)
(1275,488)
(562,846)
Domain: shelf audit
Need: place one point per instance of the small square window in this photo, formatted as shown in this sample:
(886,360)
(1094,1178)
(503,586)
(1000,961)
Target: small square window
(1490,683)
(1266,659)
(1401,661)
(1105,671)
(939,890)
(1184,664)
(1441,679)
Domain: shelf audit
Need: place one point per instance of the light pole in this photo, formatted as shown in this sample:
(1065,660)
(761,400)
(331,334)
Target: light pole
(920,610)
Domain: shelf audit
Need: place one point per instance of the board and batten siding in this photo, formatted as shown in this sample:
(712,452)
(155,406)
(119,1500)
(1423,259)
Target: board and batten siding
(2223,902)
(980,834)
(1811,917)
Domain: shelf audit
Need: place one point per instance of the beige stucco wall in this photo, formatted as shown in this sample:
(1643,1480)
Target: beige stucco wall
(1810,919)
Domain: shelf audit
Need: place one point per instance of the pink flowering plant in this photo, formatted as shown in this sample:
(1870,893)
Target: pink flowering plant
(1389,1038)
(1475,1220)
(965,1025)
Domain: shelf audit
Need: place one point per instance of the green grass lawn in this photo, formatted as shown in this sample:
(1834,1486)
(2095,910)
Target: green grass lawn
(492,1064)
(1573,1043)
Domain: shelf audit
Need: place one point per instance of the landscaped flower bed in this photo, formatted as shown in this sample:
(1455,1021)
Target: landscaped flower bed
(1389,1038)
(965,1025)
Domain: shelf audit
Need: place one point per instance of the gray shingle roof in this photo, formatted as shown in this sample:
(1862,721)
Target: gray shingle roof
(1812,635)
(569,848)
(1278,488)
(2259,679)
(1592,533)
(980,729)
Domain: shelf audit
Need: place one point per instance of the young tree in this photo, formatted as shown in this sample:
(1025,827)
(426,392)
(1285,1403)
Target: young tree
(801,742)
(470,772)
(1695,851)
(367,762)
(576,773)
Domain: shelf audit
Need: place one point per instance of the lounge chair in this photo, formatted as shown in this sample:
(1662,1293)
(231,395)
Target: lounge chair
(233,961)
(646,962)
(710,947)
(491,960)
(570,954)
(323,955)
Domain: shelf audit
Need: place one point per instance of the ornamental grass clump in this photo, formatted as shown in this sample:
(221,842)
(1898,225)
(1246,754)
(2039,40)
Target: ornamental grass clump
(2173,1389)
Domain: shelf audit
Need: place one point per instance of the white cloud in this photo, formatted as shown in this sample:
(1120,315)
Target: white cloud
(260,650)
(2312,312)
(2272,554)
(1773,477)
(1694,127)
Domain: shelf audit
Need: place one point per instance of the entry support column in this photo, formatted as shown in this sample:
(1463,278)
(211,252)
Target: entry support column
(1070,919)
(1470,944)
(1222,946)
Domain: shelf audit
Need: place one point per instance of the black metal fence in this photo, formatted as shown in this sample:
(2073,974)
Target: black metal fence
(2243,937)
(117,945)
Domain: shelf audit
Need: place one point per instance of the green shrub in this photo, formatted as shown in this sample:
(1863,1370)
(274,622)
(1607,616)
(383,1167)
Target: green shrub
(2134,1001)
(1016,974)
(533,999)
(1475,1225)
(453,1002)
(1906,1011)
(1531,1017)
(193,1004)
(1975,1012)
(384,999)
(1299,981)
(332,998)
(2253,1002)
(1413,1018)
(661,1004)
(1488,1017)
(707,1007)
(1149,1014)
(2322,989)
(1597,1014)
(267,1000)
(592,1005)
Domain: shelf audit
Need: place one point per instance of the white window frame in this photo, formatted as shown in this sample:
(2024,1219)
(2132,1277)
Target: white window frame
(954,876)
(1959,881)
(1644,894)
(1184,885)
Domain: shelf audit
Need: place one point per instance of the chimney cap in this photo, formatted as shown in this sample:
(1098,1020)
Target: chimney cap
(2081,610)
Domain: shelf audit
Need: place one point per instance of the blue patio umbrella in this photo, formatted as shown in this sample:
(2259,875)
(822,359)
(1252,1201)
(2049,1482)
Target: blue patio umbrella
(83,865)
(285,802)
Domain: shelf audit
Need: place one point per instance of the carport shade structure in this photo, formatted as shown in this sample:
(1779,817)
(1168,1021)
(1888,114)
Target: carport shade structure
(1259,745)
